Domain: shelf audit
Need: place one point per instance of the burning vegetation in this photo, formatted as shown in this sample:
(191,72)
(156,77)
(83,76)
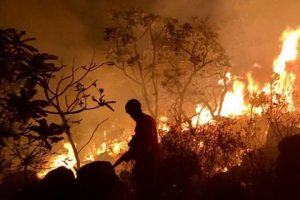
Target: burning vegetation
(234,129)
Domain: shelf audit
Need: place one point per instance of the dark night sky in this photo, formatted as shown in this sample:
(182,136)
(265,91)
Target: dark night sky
(249,29)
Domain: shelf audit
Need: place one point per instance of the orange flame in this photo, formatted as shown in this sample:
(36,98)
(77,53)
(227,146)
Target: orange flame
(233,104)
(67,160)
(289,52)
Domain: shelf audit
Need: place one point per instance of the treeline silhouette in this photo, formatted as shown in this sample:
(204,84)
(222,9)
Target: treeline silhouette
(178,176)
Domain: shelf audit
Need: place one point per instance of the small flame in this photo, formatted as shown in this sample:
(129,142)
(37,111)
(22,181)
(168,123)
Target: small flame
(113,148)
(253,86)
(203,116)
(66,160)
(233,104)
(163,124)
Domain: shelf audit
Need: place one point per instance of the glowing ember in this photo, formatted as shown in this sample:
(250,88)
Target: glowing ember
(201,144)
(163,124)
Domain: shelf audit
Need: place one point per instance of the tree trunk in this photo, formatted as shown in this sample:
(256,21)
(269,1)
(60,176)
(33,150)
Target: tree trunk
(182,95)
(75,151)
(69,135)
(25,175)
(147,100)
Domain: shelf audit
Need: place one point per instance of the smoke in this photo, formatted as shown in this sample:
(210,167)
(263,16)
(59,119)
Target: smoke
(249,31)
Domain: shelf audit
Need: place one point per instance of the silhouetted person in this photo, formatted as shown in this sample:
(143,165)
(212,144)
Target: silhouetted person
(143,149)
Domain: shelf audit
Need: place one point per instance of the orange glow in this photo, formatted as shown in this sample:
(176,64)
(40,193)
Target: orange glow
(67,160)
(163,124)
(234,104)
(253,86)
(289,52)
(112,148)
(203,116)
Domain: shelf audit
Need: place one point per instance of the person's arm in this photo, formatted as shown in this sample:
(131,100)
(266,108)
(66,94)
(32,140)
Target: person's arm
(129,154)
(125,157)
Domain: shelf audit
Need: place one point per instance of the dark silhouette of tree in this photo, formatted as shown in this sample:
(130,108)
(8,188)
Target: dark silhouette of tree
(25,136)
(67,96)
(185,58)
(137,49)
(197,61)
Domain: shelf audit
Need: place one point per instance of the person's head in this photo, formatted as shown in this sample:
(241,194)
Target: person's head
(134,108)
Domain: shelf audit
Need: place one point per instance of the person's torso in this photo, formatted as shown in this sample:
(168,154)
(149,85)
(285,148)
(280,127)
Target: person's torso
(146,134)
